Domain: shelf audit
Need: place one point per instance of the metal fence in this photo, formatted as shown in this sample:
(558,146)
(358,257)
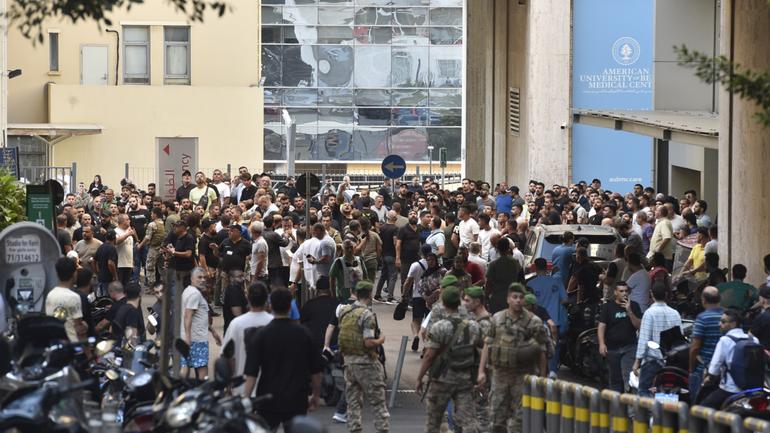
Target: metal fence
(66,176)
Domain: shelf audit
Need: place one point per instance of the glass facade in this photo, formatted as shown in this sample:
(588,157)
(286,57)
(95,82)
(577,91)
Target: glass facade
(363,79)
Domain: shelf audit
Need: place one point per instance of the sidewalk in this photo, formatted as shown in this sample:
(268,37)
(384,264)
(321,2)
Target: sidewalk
(407,416)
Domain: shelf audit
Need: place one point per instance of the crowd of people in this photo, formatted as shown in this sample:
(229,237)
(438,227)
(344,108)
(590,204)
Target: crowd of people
(484,311)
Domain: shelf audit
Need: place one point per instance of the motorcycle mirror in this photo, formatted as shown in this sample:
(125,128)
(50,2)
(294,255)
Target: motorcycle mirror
(182,347)
(229,350)
(653,345)
(104,347)
(112,374)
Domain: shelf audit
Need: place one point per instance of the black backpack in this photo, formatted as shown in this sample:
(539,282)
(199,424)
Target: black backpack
(747,368)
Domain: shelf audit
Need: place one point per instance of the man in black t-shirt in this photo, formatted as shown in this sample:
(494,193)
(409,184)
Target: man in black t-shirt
(183,192)
(209,260)
(284,356)
(234,303)
(618,322)
(233,253)
(180,247)
(139,219)
(106,259)
(128,323)
(319,312)
(388,233)
(407,246)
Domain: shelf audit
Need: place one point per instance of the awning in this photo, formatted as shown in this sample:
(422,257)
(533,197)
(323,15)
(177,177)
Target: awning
(54,132)
(700,128)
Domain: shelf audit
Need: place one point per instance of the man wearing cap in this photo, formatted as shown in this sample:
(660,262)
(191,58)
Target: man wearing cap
(359,340)
(474,304)
(761,326)
(232,252)
(183,192)
(451,358)
(514,346)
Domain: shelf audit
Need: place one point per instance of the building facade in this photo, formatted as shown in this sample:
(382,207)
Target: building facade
(104,98)
(363,79)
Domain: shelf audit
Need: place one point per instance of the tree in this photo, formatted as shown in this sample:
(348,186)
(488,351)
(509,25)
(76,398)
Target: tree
(12,199)
(748,84)
(30,15)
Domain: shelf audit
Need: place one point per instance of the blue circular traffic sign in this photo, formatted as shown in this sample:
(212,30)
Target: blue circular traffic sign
(393,166)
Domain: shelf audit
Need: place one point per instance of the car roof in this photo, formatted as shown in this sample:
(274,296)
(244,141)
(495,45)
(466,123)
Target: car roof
(577,229)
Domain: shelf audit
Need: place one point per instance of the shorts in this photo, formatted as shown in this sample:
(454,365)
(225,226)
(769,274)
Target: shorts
(199,355)
(419,309)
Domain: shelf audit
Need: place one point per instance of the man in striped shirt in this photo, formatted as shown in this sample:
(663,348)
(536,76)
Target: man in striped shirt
(658,318)
(705,335)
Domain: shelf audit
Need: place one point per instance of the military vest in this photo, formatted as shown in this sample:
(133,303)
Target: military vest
(514,346)
(158,234)
(351,336)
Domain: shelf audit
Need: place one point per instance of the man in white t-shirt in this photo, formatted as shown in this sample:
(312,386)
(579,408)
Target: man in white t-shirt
(124,244)
(300,265)
(486,233)
(242,327)
(222,188)
(469,228)
(258,263)
(195,328)
(412,282)
(63,303)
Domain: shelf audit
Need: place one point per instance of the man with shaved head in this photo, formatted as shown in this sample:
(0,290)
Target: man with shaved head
(705,335)
(388,233)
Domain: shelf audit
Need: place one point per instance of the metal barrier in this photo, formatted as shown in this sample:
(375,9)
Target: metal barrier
(555,406)
(756,425)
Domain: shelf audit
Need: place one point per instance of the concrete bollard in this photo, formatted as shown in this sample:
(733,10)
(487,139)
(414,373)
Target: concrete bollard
(537,404)
(568,392)
(526,397)
(553,406)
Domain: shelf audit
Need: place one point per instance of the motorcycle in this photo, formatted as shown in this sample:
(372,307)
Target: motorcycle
(752,402)
(580,344)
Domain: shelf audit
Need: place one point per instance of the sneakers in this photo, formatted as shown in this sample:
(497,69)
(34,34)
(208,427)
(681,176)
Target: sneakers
(552,375)
(341,418)
(415,344)
(378,298)
(391,300)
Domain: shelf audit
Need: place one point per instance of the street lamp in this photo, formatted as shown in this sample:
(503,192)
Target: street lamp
(430,163)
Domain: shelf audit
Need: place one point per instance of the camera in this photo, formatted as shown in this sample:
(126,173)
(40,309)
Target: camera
(564,126)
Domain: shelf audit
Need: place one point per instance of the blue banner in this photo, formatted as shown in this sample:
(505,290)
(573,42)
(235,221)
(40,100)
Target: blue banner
(612,69)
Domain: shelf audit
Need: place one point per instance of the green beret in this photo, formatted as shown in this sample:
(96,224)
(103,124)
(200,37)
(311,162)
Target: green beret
(475,292)
(451,296)
(364,286)
(530,299)
(448,280)
(517,288)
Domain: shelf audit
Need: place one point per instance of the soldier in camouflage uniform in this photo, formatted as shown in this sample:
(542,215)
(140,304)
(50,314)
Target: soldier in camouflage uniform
(364,374)
(437,312)
(514,346)
(156,233)
(451,358)
(474,303)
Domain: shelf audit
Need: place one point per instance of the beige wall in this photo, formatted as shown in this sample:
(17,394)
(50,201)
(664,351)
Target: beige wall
(224,52)
(226,120)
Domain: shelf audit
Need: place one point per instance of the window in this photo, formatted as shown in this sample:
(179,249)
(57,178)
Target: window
(136,55)
(177,54)
(53,51)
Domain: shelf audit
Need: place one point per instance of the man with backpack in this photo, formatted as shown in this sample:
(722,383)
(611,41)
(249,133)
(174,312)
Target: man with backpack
(451,360)
(738,359)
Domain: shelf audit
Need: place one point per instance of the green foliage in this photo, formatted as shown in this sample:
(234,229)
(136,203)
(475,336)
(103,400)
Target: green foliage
(30,15)
(748,84)
(12,200)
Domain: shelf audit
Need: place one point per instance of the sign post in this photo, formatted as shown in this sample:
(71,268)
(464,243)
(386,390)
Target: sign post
(40,205)
(442,163)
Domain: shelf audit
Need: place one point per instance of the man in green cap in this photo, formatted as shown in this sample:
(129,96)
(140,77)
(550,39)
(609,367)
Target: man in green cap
(474,303)
(515,344)
(437,312)
(451,360)
(364,374)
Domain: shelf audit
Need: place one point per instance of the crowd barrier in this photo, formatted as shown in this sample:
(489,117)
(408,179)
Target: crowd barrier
(556,406)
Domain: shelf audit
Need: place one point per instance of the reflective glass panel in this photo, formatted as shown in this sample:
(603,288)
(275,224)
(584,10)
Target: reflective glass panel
(446,66)
(272,115)
(446,36)
(304,116)
(298,66)
(335,35)
(271,34)
(274,142)
(335,143)
(272,15)
(411,36)
(271,64)
(446,17)
(300,15)
(445,98)
(335,97)
(410,117)
(372,66)
(335,65)
(335,16)
(446,117)
(370,143)
(373,116)
(449,138)
(372,35)
(300,97)
(305,142)
(410,17)
(372,98)
(273,96)
(409,67)
(410,143)
(335,117)
(410,98)
(373,16)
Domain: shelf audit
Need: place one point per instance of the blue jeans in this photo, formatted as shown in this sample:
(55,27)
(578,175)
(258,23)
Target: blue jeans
(553,363)
(342,404)
(140,260)
(695,382)
(646,375)
(619,363)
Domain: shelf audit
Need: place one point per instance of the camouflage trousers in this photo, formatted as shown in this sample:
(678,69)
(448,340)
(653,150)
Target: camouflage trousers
(154,264)
(366,380)
(505,400)
(462,395)
(482,406)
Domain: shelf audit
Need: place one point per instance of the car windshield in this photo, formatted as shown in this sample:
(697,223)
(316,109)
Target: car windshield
(599,245)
